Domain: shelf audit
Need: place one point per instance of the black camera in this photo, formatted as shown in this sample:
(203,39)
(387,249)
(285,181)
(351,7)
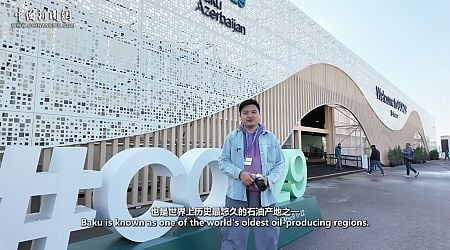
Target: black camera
(259,181)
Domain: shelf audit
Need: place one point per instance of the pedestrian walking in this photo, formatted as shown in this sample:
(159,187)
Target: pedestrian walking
(409,156)
(338,155)
(375,161)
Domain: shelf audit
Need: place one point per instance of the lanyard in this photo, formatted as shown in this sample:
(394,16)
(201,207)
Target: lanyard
(255,136)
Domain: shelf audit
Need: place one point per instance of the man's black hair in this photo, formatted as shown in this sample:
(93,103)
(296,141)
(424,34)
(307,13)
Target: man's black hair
(248,102)
(373,146)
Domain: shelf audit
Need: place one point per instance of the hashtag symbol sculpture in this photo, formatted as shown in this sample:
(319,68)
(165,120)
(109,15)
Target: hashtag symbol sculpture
(59,214)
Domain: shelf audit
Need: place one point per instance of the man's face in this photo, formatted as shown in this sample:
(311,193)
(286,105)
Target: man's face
(250,116)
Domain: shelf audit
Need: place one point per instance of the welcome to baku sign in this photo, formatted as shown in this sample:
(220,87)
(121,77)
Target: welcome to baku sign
(59,214)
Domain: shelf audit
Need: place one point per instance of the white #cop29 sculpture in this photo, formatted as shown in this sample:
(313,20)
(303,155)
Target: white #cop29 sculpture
(110,200)
(59,214)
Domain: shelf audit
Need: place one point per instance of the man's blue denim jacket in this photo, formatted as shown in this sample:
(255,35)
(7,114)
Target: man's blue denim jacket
(231,163)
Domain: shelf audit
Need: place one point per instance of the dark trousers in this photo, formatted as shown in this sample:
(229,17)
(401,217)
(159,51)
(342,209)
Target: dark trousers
(409,167)
(374,164)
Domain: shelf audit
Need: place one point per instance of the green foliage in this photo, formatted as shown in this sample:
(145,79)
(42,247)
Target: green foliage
(398,155)
(395,156)
(420,155)
(391,156)
(434,154)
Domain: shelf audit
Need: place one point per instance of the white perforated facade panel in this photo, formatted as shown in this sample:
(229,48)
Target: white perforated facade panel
(130,67)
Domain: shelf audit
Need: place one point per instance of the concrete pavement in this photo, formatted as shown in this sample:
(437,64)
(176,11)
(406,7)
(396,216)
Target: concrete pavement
(403,213)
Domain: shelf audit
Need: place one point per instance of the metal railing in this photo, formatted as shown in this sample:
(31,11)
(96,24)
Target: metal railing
(347,160)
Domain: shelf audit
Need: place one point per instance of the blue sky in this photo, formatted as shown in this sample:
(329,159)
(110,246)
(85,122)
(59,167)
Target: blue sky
(406,41)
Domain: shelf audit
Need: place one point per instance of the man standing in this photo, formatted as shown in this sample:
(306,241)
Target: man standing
(409,156)
(375,161)
(446,155)
(338,155)
(252,160)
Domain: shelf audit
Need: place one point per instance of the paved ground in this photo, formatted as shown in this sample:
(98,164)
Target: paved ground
(403,213)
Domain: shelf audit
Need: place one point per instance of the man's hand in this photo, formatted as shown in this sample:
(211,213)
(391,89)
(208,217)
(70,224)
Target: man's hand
(246,178)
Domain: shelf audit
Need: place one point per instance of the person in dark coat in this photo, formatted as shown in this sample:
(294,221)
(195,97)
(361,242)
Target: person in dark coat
(375,161)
